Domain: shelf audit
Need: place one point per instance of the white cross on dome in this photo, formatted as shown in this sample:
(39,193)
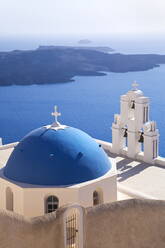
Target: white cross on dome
(56,114)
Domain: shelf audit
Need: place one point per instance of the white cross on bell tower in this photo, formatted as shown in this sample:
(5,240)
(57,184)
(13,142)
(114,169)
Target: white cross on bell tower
(134,86)
(56,114)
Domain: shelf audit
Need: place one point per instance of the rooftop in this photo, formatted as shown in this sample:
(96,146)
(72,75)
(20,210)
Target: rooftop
(141,177)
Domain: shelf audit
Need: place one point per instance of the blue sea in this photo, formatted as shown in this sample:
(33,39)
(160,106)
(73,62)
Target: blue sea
(88,103)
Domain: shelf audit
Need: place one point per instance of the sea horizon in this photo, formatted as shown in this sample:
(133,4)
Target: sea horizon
(130,44)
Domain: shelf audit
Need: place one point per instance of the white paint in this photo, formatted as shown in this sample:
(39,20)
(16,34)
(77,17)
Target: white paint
(7,146)
(134,193)
(29,200)
(56,125)
(134,121)
(151,142)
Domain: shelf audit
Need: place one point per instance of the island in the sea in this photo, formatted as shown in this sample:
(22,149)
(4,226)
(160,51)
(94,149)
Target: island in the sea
(84,41)
(94,48)
(59,64)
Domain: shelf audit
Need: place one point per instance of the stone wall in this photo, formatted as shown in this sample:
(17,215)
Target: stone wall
(126,224)
(40,232)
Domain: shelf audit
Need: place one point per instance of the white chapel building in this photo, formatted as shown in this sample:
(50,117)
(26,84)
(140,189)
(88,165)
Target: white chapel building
(56,165)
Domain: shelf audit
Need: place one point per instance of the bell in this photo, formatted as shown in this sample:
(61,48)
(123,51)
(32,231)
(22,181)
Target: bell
(125,133)
(141,139)
(133,105)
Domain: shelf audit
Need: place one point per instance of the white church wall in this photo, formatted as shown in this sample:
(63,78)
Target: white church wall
(35,199)
(30,201)
(107,187)
(141,116)
(17,196)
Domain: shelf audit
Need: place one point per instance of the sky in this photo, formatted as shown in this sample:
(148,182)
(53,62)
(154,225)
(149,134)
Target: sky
(55,17)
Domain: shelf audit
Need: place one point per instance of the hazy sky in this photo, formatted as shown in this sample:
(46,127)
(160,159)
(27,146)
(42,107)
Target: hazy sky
(81,16)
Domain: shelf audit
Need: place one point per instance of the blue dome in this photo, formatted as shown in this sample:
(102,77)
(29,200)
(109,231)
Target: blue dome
(57,157)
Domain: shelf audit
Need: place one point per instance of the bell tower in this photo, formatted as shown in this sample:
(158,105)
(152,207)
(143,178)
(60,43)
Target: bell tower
(132,131)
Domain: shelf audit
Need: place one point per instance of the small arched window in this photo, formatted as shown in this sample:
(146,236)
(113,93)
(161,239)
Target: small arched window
(52,203)
(96,200)
(9,199)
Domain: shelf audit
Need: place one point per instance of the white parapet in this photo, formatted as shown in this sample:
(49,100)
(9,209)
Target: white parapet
(134,193)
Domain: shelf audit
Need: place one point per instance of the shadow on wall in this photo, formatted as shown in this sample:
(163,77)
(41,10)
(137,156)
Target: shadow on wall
(125,224)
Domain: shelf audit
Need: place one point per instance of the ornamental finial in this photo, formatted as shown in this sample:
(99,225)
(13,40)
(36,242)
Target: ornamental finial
(56,114)
(135,85)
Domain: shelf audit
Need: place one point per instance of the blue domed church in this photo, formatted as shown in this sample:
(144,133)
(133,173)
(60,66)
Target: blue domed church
(56,165)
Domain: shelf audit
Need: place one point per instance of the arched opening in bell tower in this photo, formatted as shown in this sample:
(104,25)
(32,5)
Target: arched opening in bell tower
(125,137)
(131,110)
(141,140)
